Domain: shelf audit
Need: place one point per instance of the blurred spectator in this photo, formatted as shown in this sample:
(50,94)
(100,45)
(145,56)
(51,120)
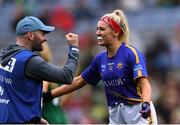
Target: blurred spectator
(5,1)
(175,116)
(135,6)
(175,48)
(83,12)
(158,56)
(45,15)
(18,15)
(168,3)
(22,9)
(62,19)
(109,4)
(168,101)
(78,105)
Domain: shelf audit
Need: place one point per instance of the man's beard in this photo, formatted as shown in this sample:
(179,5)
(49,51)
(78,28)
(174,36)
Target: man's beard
(37,46)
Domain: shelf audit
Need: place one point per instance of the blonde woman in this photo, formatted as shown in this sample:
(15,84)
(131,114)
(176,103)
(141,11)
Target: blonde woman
(122,69)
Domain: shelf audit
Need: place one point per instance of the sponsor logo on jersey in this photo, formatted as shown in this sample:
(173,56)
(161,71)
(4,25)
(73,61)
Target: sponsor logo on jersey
(2,100)
(137,67)
(113,82)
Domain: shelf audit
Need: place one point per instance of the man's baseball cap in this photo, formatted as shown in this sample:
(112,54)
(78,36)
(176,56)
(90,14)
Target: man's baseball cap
(31,23)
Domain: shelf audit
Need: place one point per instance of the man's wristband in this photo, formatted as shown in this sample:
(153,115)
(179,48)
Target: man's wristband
(74,48)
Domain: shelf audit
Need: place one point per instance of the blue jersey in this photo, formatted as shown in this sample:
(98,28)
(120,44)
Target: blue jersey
(20,95)
(118,74)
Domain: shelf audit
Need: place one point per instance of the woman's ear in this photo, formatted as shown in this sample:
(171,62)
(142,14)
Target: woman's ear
(116,34)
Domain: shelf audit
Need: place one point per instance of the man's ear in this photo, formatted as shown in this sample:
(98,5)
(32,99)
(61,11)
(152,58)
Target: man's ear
(30,35)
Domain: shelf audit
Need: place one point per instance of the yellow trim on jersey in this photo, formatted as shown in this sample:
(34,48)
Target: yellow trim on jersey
(135,53)
(137,58)
(130,99)
(139,73)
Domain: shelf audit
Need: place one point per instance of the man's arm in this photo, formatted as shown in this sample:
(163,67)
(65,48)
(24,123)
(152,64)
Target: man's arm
(39,69)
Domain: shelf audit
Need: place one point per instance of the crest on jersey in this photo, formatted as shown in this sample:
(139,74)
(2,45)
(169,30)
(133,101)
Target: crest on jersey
(120,65)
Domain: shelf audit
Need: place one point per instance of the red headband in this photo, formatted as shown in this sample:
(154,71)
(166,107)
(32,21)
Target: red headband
(111,23)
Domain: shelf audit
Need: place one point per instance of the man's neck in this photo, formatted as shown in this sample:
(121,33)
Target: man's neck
(23,42)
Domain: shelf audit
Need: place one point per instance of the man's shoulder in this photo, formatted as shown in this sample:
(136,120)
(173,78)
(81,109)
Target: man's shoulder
(24,55)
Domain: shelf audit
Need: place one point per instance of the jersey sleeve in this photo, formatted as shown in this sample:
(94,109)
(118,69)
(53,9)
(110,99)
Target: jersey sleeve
(138,63)
(91,75)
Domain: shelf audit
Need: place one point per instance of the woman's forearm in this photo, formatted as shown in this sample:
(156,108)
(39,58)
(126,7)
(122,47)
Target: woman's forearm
(146,89)
(77,83)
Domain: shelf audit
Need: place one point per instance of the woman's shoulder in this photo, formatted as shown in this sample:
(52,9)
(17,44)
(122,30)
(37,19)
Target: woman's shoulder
(130,48)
